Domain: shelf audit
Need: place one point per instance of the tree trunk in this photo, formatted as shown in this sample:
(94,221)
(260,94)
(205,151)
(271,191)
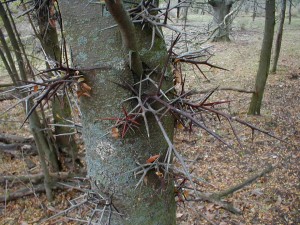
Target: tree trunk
(264,62)
(61,110)
(51,155)
(279,36)
(254,9)
(46,20)
(290,11)
(221,8)
(45,152)
(111,160)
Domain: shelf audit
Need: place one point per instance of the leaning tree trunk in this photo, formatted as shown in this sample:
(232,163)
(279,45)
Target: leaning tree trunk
(279,36)
(45,152)
(111,160)
(221,8)
(50,154)
(46,19)
(264,62)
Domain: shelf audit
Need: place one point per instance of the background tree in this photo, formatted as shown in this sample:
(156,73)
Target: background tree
(290,10)
(44,145)
(46,18)
(221,8)
(279,36)
(254,9)
(264,62)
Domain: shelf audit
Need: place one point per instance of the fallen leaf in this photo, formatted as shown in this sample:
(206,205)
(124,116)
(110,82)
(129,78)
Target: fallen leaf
(85,87)
(81,79)
(115,132)
(179,215)
(79,94)
(152,159)
(86,94)
(159,174)
(180,126)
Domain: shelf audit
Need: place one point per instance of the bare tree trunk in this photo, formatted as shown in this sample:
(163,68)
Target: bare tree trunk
(290,11)
(35,127)
(28,69)
(264,62)
(279,36)
(111,160)
(42,147)
(8,60)
(46,19)
(45,152)
(221,8)
(254,9)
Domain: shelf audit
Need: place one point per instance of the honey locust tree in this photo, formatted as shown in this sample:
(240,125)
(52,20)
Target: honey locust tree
(112,52)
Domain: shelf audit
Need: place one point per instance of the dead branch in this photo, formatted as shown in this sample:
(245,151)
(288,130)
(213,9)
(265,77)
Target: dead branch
(6,85)
(34,178)
(40,188)
(216,197)
(22,192)
(11,138)
(224,205)
(37,178)
(18,148)
(224,89)
(13,144)
(4,95)
(235,188)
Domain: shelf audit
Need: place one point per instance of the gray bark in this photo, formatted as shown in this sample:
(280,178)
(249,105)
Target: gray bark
(220,9)
(60,106)
(110,160)
(264,62)
(290,11)
(42,144)
(279,36)
(254,9)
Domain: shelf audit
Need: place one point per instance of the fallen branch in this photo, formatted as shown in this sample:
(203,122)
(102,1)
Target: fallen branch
(6,85)
(224,205)
(5,92)
(22,192)
(224,89)
(233,189)
(36,178)
(16,149)
(10,138)
(216,197)
(40,188)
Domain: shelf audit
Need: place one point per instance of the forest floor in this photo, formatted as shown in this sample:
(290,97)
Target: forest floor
(271,199)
